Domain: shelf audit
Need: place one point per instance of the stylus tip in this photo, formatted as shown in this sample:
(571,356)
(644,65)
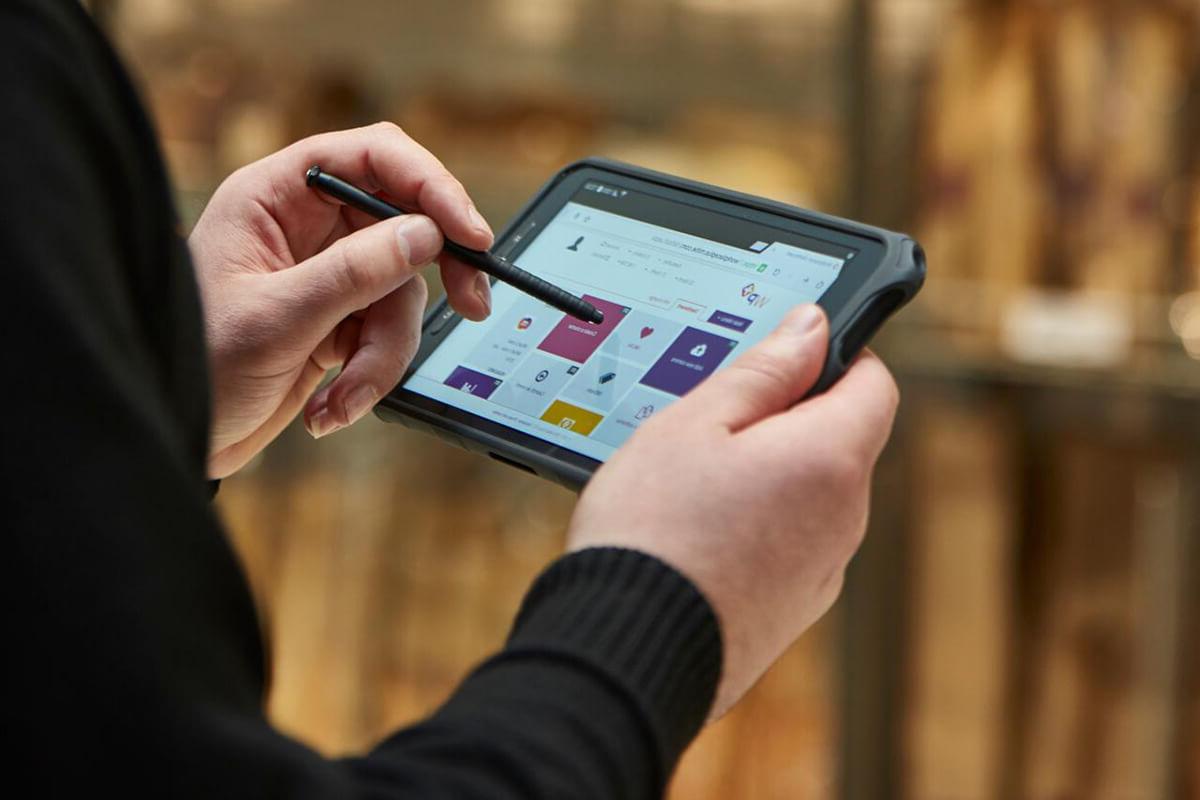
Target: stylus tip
(597,316)
(312,174)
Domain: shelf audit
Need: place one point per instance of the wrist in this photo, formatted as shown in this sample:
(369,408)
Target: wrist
(639,623)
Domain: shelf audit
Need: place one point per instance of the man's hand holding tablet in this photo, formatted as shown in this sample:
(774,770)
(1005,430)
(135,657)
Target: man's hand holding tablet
(759,501)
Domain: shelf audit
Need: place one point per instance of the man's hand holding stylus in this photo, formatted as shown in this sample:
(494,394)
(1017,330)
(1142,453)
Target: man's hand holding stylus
(295,284)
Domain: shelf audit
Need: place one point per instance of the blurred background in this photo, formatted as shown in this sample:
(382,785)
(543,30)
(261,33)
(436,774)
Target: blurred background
(1024,619)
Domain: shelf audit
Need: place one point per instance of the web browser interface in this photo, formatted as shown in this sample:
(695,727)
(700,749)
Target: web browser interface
(683,290)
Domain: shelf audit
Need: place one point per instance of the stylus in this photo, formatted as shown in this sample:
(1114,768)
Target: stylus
(493,265)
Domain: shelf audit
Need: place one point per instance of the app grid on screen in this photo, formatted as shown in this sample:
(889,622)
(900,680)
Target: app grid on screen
(676,309)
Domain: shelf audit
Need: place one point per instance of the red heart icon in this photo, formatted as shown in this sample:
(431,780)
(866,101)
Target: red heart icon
(646,331)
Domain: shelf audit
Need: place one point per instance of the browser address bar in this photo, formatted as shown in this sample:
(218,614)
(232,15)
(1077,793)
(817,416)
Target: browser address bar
(779,264)
(703,251)
(639,233)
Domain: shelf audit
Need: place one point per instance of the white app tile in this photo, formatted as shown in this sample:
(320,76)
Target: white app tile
(602,381)
(642,337)
(534,384)
(508,339)
(635,408)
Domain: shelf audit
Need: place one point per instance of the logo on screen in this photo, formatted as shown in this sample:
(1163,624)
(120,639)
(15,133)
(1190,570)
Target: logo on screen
(753,297)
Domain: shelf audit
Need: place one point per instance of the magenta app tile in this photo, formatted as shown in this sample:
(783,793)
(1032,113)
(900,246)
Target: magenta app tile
(574,339)
(691,358)
(472,382)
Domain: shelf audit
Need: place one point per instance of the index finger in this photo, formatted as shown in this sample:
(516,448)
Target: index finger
(381,158)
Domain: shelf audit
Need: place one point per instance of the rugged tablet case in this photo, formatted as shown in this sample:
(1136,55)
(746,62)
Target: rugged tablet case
(897,279)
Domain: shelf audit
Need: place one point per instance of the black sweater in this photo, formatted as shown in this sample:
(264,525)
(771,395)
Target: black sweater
(139,665)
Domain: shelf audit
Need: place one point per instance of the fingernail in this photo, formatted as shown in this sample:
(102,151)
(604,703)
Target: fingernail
(322,423)
(804,320)
(419,238)
(483,288)
(359,402)
(478,221)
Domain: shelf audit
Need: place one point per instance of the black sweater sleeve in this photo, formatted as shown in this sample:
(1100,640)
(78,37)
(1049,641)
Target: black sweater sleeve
(137,655)
(607,676)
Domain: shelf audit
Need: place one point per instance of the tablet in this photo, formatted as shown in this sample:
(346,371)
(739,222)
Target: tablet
(688,276)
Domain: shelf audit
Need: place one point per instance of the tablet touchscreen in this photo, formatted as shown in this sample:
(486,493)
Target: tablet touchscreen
(683,289)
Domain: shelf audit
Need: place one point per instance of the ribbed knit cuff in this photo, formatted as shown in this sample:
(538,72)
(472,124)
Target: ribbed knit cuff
(638,621)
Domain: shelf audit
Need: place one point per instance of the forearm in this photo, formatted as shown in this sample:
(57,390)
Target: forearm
(607,677)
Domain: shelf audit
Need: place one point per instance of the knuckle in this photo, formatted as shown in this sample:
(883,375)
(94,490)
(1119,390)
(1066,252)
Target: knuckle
(884,392)
(767,370)
(315,146)
(891,391)
(846,472)
(386,127)
(407,343)
(409,340)
(241,176)
(354,274)
(406,348)
(831,586)
(850,531)
(832,589)
(420,288)
(388,365)
(858,533)
(442,180)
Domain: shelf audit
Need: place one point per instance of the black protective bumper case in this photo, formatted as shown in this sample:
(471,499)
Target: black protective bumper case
(898,277)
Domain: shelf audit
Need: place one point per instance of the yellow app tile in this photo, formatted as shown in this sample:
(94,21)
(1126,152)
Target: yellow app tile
(571,418)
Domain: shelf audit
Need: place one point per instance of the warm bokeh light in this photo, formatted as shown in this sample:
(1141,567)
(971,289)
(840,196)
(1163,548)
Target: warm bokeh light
(1024,619)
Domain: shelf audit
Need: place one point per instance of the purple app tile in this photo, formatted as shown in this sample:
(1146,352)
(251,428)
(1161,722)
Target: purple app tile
(731,321)
(576,340)
(472,382)
(690,359)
